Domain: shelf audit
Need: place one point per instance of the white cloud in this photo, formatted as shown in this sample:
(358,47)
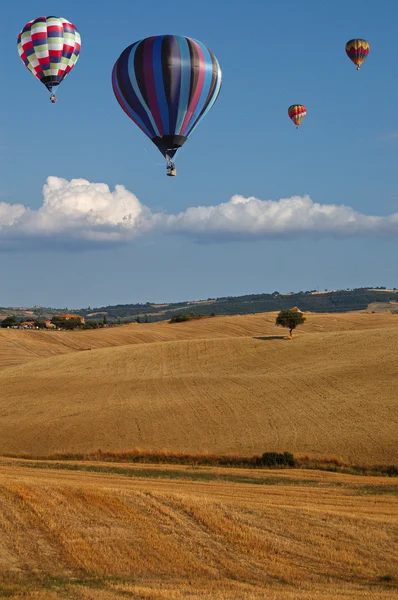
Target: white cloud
(77,212)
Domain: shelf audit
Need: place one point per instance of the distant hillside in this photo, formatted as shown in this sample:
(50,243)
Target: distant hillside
(312,301)
(324,302)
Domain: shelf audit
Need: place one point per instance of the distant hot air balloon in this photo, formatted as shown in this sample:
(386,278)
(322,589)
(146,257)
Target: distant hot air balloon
(297,113)
(357,50)
(166,84)
(49,47)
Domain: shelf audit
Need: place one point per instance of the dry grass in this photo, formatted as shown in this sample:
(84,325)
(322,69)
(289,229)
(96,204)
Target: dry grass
(18,346)
(325,393)
(100,531)
(302,535)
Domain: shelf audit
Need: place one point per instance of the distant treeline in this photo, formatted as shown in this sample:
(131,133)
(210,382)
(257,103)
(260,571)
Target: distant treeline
(329,302)
(339,301)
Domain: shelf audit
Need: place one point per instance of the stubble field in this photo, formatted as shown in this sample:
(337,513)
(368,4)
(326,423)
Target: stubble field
(174,533)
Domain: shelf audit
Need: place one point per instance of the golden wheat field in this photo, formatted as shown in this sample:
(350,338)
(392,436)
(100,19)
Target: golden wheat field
(146,532)
(88,531)
(220,385)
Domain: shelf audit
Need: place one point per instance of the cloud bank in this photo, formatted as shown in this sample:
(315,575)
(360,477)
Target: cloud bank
(76,214)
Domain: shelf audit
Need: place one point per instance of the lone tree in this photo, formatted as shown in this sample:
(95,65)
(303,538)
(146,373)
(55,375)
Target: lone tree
(290,319)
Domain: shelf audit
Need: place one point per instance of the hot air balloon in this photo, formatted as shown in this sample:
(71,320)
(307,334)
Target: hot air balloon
(166,84)
(357,50)
(297,113)
(49,47)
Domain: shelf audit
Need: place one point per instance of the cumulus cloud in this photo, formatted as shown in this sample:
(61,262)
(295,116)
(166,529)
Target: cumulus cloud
(78,213)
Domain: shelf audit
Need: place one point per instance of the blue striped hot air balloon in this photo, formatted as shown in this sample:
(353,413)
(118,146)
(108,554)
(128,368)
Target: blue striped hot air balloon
(166,84)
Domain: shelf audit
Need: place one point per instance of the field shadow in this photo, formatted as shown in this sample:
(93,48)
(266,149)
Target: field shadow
(271,337)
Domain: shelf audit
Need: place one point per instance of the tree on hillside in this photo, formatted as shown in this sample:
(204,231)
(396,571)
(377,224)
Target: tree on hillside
(290,319)
(105,320)
(9,321)
(90,325)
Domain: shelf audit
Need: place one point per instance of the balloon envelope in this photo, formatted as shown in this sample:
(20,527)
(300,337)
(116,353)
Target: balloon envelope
(297,113)
(166,84)
(49,47)
(357,50)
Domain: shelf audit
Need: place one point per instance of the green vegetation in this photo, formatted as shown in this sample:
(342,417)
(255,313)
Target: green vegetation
(268,460)
(63,323)
(312,301)
(9,321)
(181,318)
(275,459)
(195,474)
(92,325)
(290,319)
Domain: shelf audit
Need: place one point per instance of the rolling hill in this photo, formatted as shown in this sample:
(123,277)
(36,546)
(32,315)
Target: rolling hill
(212,385)
(19,346)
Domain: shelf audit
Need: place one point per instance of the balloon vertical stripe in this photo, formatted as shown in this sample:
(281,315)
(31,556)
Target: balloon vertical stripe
(149,79)
(159,84)
(140,103)
(171,58)
(126,106)
(185,84)
(214,90)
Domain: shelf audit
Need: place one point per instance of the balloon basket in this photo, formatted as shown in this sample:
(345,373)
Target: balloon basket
(171,171)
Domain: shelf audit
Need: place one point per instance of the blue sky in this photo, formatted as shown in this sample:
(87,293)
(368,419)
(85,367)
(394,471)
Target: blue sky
(272,55)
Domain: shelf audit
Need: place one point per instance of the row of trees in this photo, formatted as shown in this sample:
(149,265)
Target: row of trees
(182,317)
(58,321)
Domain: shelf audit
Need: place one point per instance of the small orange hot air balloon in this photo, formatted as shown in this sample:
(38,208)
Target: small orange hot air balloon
(297,113)
(357,50)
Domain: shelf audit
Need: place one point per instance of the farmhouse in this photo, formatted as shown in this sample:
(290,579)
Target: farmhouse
(28,324)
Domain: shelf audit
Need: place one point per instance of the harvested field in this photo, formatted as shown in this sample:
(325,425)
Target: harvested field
(157,533)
